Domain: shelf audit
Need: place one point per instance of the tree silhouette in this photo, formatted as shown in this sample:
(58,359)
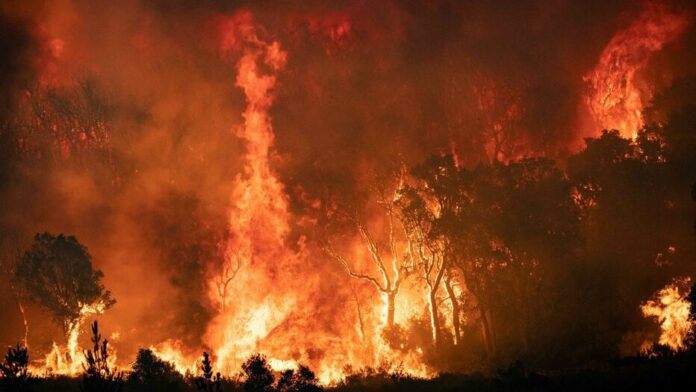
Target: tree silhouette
(15,365)
(208,381)
(442,189)
(57,273)
(259,376)
(426,249)
(14,369)
(300,380)
(151,373)
(98,375)
(227,274)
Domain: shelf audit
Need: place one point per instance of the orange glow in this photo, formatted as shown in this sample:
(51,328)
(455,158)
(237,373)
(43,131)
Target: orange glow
(220,158)
(258,219)
(616,95)
(671,309)
(68,359)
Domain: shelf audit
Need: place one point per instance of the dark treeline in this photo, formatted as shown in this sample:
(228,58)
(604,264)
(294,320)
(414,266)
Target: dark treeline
(662,370)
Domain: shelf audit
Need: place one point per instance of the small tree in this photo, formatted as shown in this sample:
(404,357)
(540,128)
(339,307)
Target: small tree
(207,381)
(391,266)
(57,273)
(97,375)
(300,380)
(259,376)
(151,373)
(14,375)
(16,362)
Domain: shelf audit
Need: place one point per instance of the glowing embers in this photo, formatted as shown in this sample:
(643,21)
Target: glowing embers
(616,93)
(671,309)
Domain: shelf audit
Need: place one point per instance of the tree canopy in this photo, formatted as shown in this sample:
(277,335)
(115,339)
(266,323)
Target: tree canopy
(57,273)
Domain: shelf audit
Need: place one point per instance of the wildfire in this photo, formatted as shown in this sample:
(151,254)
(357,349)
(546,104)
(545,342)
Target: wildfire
(258,220)
(616,94)
(174,352)
(67,360)
(260,299)
(671,309)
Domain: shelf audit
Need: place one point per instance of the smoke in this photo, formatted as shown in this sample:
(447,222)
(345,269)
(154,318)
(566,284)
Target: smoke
(148,182)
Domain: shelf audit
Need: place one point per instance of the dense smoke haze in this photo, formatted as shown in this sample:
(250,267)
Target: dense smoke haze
(224,162)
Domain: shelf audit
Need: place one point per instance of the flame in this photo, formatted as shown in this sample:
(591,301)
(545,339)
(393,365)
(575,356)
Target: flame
(174,352)
(671,309)
(258,220)
(67,360)
(615,95)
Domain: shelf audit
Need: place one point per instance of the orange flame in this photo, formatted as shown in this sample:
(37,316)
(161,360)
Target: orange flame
(67,360)
(671,309)
(615,95)
(258,223)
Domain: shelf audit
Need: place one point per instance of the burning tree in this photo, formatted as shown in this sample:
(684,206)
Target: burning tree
(497,226)
(673,307)
(57,273)
(615,93)
(432,209)
(427,250)
(499,104)
(227,274)
(393,266)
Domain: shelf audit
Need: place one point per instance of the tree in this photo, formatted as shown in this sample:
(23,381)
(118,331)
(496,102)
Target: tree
(300,380)
(426,248)
(227,275)
(98,376)
(151,373)
(14,369)
(442,188)
(499,104)
(57,273)
(9,256)
(207,381)
(393,266)
(259,376)
(15,365)
(525,220)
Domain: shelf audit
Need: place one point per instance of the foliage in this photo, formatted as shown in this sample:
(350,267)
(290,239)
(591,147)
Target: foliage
(14,369)
(57,273)
(207,381)
(98,376)
(300,380)
(258,374)
(150,373)
(15,365)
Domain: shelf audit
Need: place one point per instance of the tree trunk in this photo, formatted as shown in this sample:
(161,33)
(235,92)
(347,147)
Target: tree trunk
(359,311)
(434,317)
(391,298)
(455,312)
(26,324)
(487,331)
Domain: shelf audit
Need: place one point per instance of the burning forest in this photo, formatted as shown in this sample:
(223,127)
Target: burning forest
(295,196)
